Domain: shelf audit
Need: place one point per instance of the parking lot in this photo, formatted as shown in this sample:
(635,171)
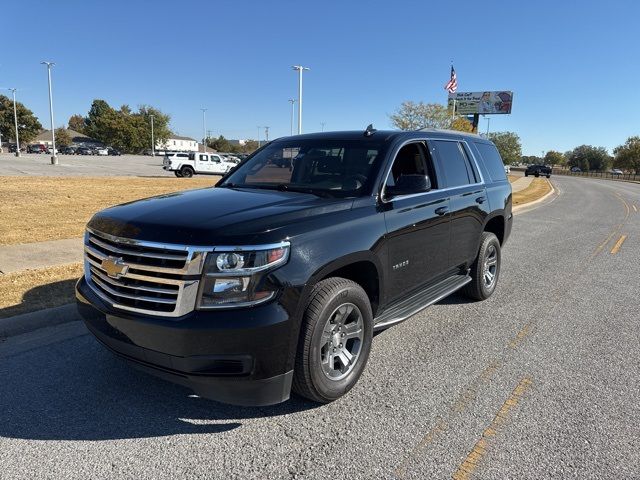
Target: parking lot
(540,381)
(82,165)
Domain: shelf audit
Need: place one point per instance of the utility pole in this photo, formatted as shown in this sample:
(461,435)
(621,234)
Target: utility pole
(54,157)
(15,119)
(322,124)
(204,130)
(266,134)
(292,101)
(488,122)
(300,69)
(153,143)
(259,127)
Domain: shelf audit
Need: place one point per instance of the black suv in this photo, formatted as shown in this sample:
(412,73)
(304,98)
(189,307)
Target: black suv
(538,170)
(278,277)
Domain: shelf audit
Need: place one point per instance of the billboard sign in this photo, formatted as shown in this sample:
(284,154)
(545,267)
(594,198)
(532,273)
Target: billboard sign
(484,103)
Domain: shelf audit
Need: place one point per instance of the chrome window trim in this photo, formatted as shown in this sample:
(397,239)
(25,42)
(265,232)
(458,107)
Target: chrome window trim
(413,195)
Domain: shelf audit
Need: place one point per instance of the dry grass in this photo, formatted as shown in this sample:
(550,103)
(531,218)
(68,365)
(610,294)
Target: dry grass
(32,290)
(538,188)
(513,178)
(35,209)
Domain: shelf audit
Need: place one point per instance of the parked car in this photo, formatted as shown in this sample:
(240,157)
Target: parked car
(113,152)
(279,278)
(538,170)
(507,169)
(576,169)
(36,148)
(83,151)
(51,151)
(102,151)
(68,150)
(189,164)
(616,171)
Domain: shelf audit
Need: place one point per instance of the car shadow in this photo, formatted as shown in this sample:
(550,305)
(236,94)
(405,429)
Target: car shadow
(77,390)
(42,296)
(456,298)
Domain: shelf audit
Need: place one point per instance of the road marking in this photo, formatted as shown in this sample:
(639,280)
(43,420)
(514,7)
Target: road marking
(475,456)
(635,209)
(616,247)
(521,335)
(616,228)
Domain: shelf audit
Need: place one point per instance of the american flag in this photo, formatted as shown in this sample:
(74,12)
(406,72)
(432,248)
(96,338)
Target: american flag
(452,84)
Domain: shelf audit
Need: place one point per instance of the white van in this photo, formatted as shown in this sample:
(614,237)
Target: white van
(187,165)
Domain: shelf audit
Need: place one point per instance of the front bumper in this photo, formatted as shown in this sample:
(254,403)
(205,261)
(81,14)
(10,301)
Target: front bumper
(241,357)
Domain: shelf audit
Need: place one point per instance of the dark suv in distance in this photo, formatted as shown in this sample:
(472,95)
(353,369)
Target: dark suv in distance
(538,170)
(277,278)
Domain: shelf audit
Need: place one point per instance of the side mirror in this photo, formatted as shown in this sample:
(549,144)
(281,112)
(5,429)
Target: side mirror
(409,184)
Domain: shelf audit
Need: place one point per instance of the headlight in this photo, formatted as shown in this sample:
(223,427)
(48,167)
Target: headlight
(233,277)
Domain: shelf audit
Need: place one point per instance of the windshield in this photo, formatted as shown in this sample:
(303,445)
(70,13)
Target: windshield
(334,167)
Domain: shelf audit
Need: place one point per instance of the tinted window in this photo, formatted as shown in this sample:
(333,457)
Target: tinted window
(454,163)
(492,161)
(204,158)
(332,166)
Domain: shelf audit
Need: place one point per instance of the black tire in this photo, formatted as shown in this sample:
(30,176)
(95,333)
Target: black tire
(187,172)
(526,174)
(178,173)
(327,299)
(537,174)
(478,288)
(548,176)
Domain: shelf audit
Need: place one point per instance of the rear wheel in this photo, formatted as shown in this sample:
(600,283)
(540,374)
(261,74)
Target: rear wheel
(485,269)
(335,340)
(526,174)
(187,172)
(548,176)
(178,173)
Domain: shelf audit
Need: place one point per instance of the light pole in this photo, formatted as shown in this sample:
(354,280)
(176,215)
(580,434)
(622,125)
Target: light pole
(15,119)
(204,129)
(54,158)
(488,122)
(292,101)
(300,69)
(266,134)
(153,143)
(322,124)
(259,127)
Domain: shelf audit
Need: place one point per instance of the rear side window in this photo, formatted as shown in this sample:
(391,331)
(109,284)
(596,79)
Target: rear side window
(492,161)
(454,162)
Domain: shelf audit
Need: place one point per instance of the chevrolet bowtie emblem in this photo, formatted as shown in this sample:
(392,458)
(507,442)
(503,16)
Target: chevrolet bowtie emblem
(114,267)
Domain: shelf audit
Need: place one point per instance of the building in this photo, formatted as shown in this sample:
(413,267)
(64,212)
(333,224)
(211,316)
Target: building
(77,138)
(176,142)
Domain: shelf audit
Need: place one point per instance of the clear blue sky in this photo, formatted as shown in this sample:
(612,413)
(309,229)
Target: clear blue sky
(573,66)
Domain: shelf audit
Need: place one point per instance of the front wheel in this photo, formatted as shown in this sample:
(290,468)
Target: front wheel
(335,340)
(548,176)
(526,174)
(485,270)
(178,173)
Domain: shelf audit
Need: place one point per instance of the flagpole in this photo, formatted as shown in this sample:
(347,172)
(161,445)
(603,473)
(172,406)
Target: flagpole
(453,112)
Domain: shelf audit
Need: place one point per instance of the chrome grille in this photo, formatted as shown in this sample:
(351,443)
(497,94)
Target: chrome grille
(156,279)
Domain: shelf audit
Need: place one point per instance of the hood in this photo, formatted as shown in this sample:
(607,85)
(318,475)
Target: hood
(213,215)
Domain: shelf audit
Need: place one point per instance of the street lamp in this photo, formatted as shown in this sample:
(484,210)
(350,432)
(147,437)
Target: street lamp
(300,69)
(54,158)
(153,143)
(15,119)
(292,101)
(258,127)
(322,124)
(266,134)
(488,122)
(204,130)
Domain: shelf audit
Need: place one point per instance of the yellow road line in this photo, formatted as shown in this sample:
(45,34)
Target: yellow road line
(616,228)
(616,247)
(471,462)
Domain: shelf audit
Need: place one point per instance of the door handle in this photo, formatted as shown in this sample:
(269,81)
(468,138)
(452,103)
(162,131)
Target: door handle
(442,210)
(480,200)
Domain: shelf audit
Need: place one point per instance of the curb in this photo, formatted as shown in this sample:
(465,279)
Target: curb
(519,208)
(28,322)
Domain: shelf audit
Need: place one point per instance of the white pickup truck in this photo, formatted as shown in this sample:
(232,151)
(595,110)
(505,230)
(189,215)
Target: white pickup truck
(188,164)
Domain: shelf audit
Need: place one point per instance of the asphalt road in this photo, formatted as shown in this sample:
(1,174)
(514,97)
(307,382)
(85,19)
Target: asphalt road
(82,165)
(540,381)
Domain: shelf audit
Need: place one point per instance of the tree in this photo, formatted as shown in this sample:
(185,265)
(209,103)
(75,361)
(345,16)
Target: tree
(77,123)
(28,125)
(554,158)
(508,144)
(221,144)
(587,157)
(63,138)
(125,129)
(414,116)
(531,160)
(249,146)
(627,156)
